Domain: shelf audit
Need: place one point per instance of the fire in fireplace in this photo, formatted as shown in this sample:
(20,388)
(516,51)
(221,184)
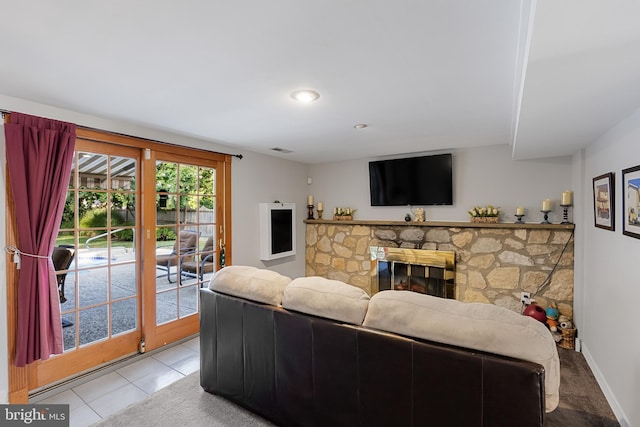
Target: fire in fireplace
(418,270)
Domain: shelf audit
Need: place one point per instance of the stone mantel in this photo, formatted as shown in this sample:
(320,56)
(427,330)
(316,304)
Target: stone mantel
(460,224)
(494,262)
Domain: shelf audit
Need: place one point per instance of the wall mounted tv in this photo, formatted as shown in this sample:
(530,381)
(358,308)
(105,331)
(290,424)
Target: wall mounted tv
(426,180)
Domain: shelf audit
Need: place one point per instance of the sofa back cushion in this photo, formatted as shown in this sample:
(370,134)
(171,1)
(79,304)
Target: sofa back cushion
(252,283)
(327,298)
(478,326)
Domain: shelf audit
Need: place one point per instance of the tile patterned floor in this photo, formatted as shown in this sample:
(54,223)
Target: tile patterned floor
(91,401)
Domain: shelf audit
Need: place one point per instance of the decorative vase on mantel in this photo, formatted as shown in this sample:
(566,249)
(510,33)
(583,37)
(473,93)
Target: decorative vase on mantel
(484,214)
(343,214)
(485,219)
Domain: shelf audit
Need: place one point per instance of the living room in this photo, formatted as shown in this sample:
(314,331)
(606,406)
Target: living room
(494,173)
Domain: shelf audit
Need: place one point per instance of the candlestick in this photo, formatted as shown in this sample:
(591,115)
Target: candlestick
(546,216)
(519,220)
(310,213)
(319,212)
(565,214)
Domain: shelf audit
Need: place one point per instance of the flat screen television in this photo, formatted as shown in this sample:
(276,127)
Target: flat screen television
(425,180)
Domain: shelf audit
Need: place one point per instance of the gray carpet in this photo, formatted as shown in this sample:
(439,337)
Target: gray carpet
(582,403)
(184,403)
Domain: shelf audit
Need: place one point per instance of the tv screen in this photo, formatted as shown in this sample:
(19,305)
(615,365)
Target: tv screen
(426,180)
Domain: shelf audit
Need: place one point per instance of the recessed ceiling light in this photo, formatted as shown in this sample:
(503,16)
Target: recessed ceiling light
(306,95)
(360,126)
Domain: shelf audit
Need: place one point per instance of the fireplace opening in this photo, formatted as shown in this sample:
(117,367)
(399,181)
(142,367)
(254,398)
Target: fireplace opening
(417,270)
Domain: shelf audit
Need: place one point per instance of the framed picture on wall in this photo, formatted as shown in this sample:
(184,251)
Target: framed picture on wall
(603,201)
(631,201)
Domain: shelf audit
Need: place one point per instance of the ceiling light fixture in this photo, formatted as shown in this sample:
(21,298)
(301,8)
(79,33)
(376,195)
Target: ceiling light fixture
(306,95)
(360,126)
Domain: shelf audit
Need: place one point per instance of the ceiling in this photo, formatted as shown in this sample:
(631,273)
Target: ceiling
(546,77)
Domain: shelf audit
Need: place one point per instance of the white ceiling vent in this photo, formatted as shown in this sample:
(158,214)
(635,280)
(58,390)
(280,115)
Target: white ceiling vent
(281,150)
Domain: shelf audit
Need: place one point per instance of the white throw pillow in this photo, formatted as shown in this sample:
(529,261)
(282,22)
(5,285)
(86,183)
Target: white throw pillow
(252,283)
(478,326)
(327,298)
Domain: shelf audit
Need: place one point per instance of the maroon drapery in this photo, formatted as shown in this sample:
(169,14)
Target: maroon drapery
(39,159)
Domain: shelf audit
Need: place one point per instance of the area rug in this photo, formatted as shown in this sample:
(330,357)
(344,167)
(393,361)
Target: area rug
(184,403)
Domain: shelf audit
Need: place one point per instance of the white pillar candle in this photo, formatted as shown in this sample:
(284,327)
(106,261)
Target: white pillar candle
(546,205)
(320,206)
(519,211)
(310,200)
(566,198)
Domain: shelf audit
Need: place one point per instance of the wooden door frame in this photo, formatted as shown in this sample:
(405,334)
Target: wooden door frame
(161,335)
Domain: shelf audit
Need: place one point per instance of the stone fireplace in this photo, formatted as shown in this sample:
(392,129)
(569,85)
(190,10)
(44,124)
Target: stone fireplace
(494,263)
(428,272)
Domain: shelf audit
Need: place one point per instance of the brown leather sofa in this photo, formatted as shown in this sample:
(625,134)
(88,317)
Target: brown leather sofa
(296,369)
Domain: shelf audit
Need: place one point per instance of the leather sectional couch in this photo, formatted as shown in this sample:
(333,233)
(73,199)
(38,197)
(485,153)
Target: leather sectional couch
(316,352)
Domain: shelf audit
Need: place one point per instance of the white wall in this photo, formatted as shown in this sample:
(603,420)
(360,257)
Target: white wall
(256,178)
(482,176)
(611,278)
(261,179)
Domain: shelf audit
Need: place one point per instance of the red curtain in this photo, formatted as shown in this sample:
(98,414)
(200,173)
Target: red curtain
(39,159)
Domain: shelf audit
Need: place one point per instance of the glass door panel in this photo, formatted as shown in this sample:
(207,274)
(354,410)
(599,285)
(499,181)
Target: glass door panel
(100,297)
(185,236)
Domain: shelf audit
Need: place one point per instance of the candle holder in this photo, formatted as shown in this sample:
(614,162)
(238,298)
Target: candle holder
(519,220)
(320,213)
(565,214)
(546,217)
(310,213)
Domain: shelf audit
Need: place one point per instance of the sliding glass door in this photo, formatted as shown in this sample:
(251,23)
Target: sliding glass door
(145,225)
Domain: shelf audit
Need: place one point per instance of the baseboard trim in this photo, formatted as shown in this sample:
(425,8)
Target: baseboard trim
(604,386)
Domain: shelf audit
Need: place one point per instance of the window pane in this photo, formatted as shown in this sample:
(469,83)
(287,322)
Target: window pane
(123,209)
(188,179)
(207,210)
(92,171)
(92,286)
(166,177)
(124,316)
(122,172)
(188,300)
(93,324)
(207,181)
(166,306)
(123,282)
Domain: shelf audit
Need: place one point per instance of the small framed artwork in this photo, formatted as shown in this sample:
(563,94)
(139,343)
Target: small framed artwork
(603,201)
(631,201)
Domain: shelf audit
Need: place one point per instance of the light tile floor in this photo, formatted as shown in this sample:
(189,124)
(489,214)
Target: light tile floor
(91,401)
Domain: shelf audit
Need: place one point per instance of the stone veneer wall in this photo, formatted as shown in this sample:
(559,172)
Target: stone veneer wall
(493,264)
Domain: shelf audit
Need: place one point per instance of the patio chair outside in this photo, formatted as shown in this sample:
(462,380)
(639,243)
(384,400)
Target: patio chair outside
(182,251)
(205,264)
(62,258)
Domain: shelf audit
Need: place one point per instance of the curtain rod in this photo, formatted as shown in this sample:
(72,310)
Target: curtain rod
(239,156)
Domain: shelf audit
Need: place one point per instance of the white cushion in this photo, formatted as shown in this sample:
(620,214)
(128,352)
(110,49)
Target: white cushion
(478,326)
(252,283)
(327,298)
